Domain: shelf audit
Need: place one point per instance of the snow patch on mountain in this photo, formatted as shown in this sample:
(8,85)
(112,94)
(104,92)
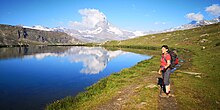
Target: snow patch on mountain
(39,27)
(115,30)
(194,24)
(95,31)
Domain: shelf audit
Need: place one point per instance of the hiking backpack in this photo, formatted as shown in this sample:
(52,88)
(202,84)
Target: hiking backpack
(174,59)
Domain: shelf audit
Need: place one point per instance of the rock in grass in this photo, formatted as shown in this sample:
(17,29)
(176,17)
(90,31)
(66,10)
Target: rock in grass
(119,99)
(151,86)
(204,35)
(192,73)
(198,76)
(143,103)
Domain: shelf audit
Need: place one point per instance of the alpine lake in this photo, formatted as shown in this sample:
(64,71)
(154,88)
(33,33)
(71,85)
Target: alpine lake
(32,77)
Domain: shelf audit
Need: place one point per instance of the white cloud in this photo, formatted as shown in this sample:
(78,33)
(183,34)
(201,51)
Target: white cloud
(214,9)
(160,23)
(196,17)
(90,17)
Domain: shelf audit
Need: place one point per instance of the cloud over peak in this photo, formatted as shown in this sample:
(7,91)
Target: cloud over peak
(90,17)
(195,16)
(214,9)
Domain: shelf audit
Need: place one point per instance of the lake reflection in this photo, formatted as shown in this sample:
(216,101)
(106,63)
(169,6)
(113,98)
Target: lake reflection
(94,59)
(31,77)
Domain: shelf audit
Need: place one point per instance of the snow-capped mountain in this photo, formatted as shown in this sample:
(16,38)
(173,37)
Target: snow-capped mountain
(194,24)
(216,20)
(103,31)
(39,27)
(43,28)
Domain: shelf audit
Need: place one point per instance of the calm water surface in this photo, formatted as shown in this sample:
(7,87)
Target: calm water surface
(31,77)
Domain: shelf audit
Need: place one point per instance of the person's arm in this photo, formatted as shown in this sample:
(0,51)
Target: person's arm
(161,69)
(159,72)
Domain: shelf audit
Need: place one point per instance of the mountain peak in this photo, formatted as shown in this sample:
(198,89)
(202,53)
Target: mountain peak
(193,22)
(102,24)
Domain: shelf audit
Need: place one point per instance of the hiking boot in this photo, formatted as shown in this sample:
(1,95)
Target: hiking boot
(164,95)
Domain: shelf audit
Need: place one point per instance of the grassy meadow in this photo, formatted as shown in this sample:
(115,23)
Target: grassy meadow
(198,50)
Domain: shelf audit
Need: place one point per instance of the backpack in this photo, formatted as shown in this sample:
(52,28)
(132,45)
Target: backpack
(174,59)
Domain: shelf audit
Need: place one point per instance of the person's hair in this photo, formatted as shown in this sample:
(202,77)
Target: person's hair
(166,47)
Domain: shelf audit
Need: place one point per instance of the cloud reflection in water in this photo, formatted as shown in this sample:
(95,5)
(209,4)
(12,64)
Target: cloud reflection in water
(94,59)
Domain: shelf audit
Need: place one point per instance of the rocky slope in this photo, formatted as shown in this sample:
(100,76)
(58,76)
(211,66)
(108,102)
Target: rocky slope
(9,35)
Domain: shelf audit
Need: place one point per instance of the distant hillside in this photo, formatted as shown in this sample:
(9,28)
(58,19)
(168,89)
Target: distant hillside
(204,36)
(9,35)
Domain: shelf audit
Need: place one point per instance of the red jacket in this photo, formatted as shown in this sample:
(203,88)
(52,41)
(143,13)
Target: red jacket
(163,62)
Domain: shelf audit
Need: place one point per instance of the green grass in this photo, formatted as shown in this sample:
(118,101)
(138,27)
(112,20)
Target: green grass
(191,92)
(202,92)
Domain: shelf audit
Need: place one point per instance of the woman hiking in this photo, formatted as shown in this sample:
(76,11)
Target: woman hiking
(165,63)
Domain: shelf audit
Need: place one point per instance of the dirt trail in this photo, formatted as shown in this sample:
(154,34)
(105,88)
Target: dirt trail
(168,103)
(119,102)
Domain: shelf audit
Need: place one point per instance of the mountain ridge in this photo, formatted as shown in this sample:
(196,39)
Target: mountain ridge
(103,31)
(194,24)
(17,35)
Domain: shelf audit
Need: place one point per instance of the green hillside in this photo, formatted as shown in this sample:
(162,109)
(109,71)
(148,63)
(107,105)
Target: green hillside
(203,43)
(198,50)
(203,36)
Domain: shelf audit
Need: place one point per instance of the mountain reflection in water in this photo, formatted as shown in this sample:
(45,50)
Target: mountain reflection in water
(31,77)
(94,59)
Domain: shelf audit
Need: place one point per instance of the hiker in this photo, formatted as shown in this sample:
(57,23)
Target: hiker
(165,69)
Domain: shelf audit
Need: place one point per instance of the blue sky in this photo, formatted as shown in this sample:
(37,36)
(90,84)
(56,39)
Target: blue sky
(141,15)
